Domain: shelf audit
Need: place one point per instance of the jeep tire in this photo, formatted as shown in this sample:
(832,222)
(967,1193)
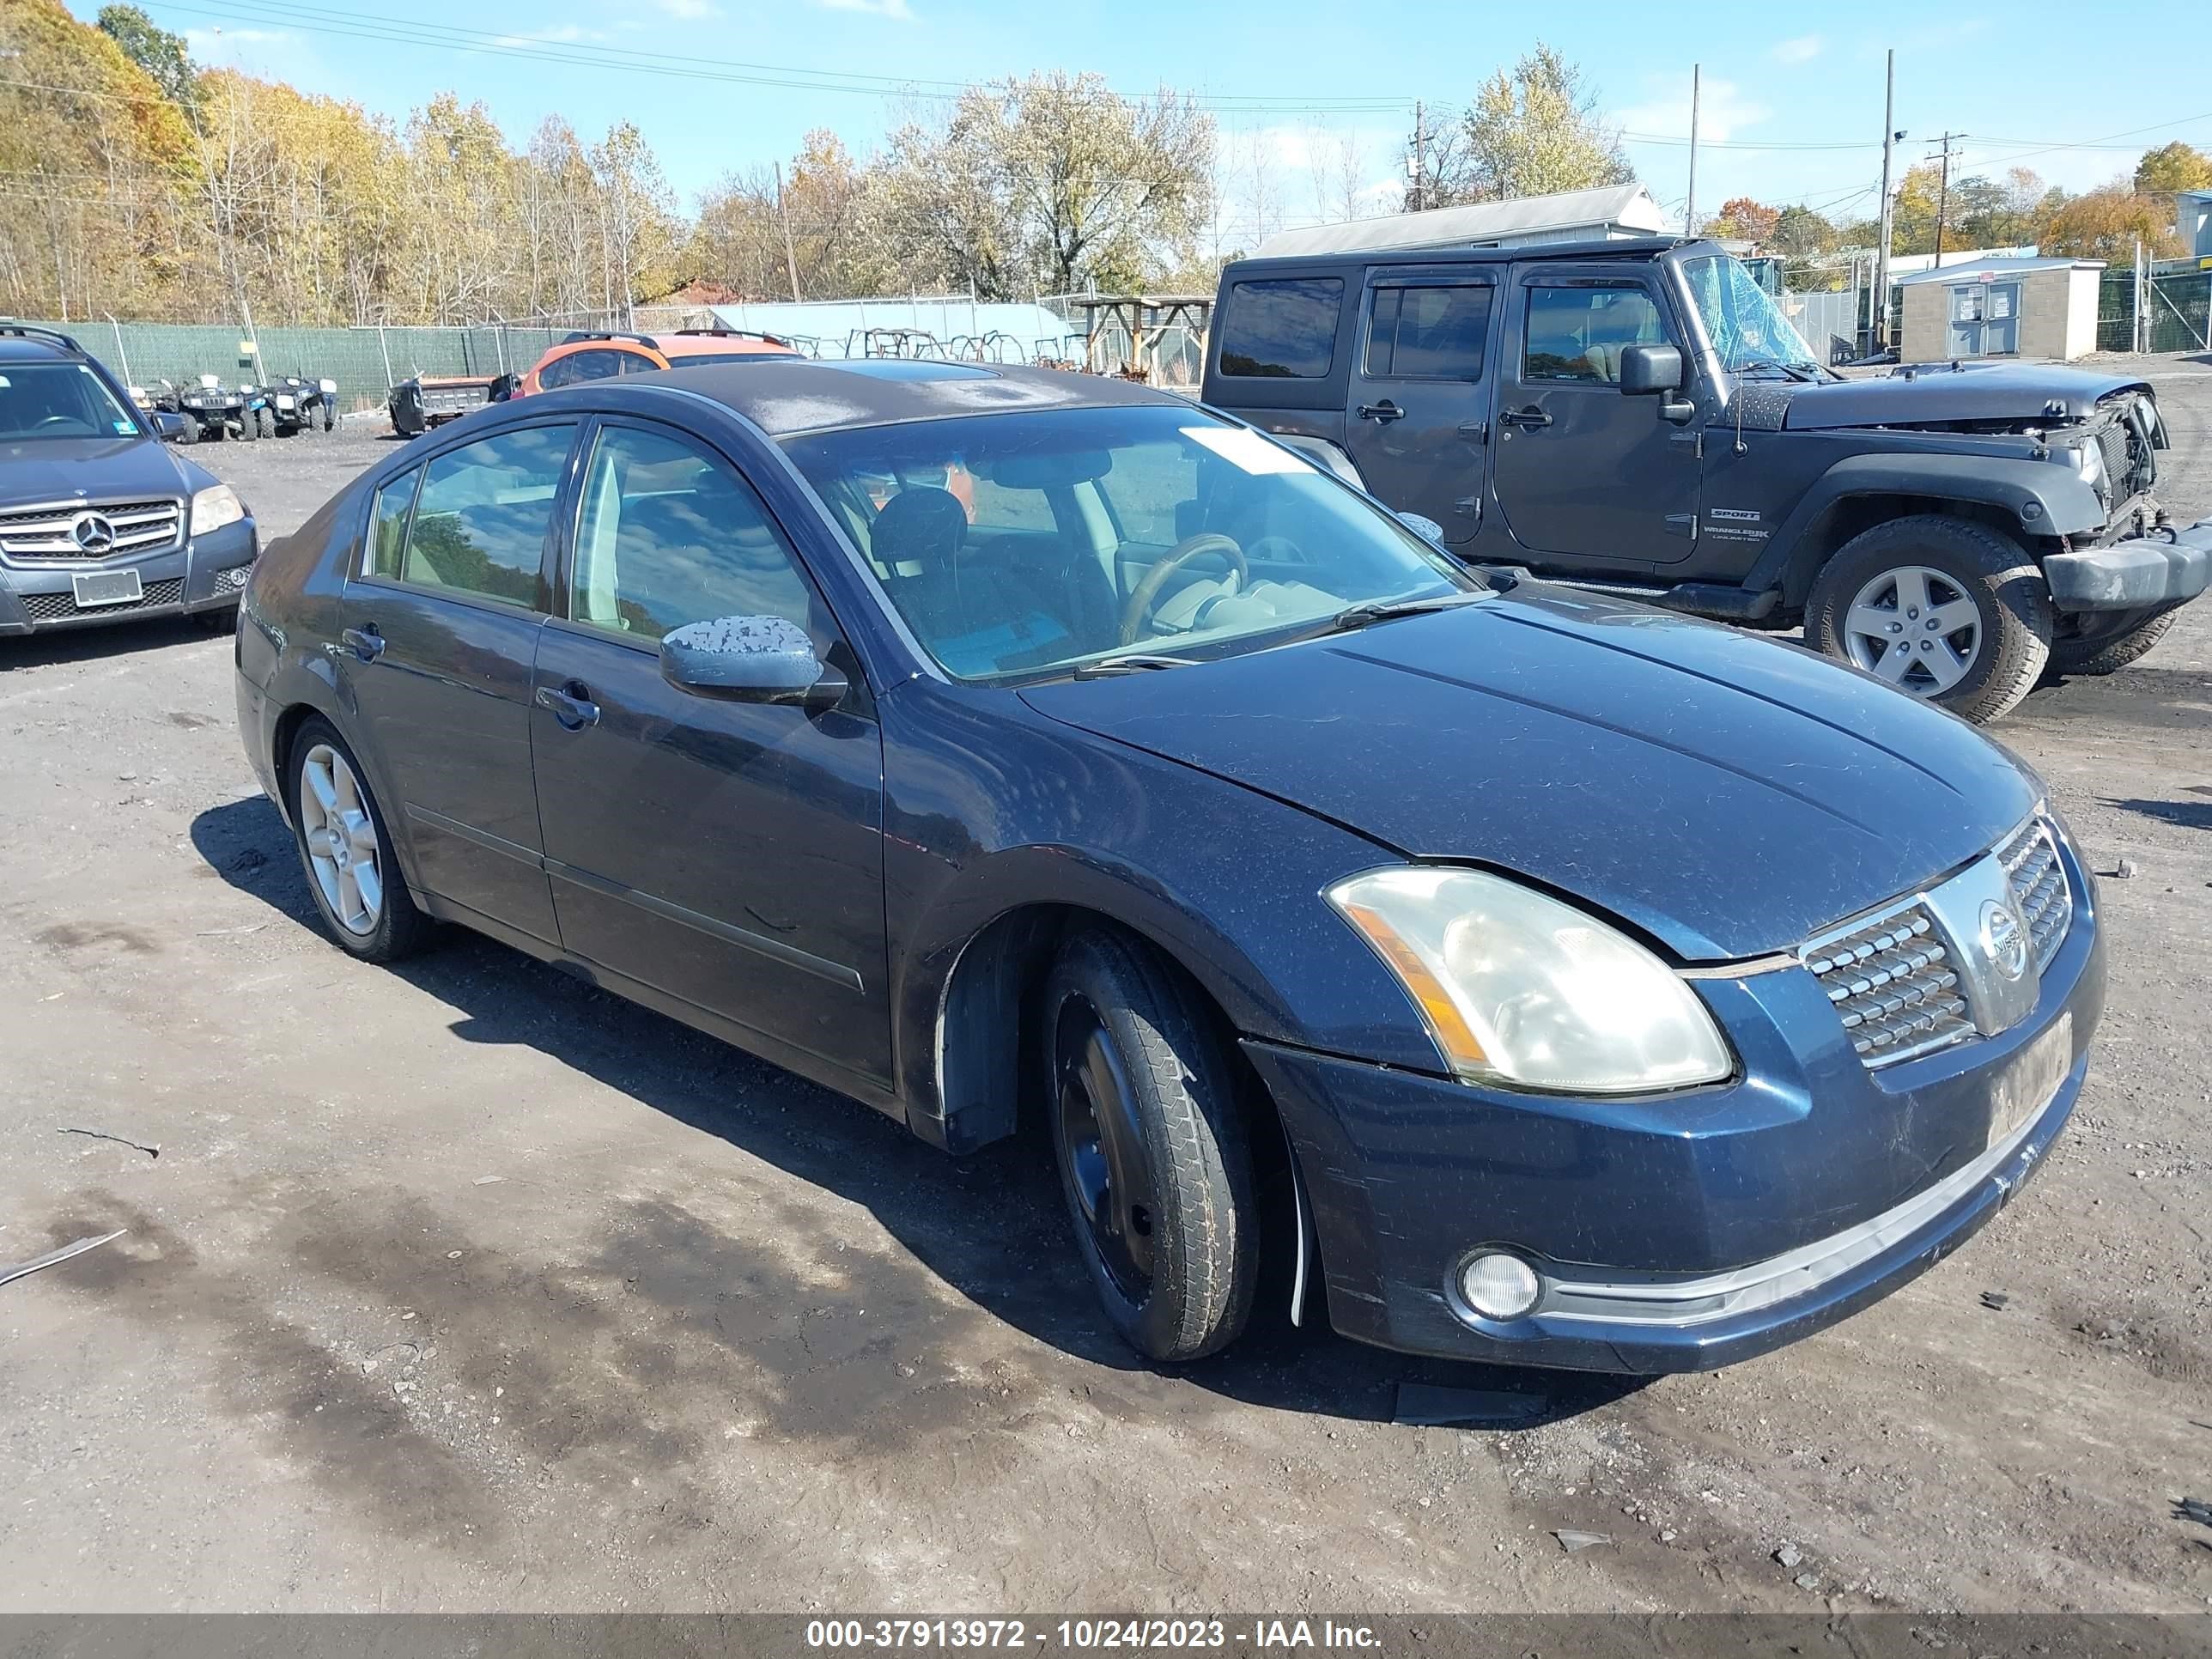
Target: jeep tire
(1969,598)
(2097,642)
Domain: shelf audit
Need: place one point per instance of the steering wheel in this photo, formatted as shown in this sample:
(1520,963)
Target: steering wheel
(56,419)
(1156,579)
(1278,549)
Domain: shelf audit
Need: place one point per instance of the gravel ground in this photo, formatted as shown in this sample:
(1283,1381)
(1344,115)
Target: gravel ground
(467,1287)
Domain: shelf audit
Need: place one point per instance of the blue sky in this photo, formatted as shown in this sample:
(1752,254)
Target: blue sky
(1315,93)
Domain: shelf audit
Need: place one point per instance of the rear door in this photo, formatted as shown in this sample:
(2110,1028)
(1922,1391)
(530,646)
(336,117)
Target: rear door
(1587,477)
(726,855)
(1419,401)
(440,630)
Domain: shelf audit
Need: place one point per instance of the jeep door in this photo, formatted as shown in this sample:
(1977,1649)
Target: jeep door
(1419,406)
(1587,477)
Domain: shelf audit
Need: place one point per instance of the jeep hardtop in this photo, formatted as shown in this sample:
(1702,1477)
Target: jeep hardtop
(1638,417)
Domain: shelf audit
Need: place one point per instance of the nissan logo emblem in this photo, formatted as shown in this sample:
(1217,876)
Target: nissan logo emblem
(92,532)
(2004,941)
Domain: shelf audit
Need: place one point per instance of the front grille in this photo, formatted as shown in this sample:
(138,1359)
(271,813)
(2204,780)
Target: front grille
(44,532)
(64,607)
(2039,889)
(1893,985)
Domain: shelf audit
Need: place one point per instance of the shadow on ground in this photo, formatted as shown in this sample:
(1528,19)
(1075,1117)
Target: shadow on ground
(989,1225)
(97,644)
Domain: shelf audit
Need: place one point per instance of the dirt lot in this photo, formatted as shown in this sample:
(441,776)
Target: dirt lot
(467,1287)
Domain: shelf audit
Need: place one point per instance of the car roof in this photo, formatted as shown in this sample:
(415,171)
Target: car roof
(725,345)
(16,349)
(1625,247)
(803,394)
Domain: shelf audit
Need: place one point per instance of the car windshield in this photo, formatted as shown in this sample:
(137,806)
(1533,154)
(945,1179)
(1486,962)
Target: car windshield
(1024,546)
(694,359)
(58,400)
(1746,328)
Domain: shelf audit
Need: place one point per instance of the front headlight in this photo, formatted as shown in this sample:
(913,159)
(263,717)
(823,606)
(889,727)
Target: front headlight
(1521,990)
(215,507)
(2088,459)
(328,386)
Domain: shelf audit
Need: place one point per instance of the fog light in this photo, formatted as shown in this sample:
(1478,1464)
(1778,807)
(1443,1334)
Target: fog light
(1499,1286)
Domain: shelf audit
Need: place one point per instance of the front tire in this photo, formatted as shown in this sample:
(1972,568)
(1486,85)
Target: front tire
(1944,609)
(345,849)
(2105,641)
(1152,1155)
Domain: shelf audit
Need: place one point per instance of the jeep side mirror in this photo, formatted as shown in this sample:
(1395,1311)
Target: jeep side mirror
(168,428)
(750,660)
(1649,368)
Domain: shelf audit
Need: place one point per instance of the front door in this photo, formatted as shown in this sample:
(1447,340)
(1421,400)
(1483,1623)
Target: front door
(1985,320)
(727,854)
(1587,477)
(439,631)
(1419,402)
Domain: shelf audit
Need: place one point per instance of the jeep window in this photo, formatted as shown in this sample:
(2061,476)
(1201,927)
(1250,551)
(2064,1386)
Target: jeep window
(597,364)
(1428,332)
(59,400)
(1284,329)
(1748,332)
(1575,335)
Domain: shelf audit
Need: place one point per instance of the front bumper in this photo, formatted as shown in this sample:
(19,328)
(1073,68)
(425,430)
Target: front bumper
(1679,1232)
(2155,572)
(206,574)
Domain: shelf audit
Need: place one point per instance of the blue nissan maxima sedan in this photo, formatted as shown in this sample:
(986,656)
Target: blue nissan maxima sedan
(1602,988)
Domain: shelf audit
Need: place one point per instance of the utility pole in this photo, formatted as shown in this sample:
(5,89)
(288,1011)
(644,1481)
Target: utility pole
(782,212)
(1690,202)
(1878,316)
(1943,195)
(1418,198)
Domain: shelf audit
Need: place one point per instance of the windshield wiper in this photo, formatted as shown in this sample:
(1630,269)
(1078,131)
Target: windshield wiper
(1376,610)
(1800,372)
(1132,663)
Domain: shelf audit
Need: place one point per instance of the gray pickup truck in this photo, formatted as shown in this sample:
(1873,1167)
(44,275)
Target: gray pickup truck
(1639,417)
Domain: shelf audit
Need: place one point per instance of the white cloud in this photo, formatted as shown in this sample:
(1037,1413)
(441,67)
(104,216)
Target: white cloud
(276,54)
(1802,50)
(897,10)
(1722,110)
(562,34)
(689,11)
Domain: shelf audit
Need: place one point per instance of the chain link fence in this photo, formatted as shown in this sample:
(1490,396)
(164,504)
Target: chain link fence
(2172,313)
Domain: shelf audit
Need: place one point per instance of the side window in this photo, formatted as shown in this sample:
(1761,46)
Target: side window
(1577,335)
(1284,329)
(670,536)
(598,364)
(629,361)
(387,523)
(479,525)
(1428,333)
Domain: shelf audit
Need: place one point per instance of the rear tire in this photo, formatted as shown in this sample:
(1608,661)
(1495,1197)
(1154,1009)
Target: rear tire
(1944,609)
(1151,1145)
(342,837)
(2105,643)
(262,426)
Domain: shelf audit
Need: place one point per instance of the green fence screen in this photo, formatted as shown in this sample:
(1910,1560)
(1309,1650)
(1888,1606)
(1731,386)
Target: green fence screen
(2177,309)
(356,358)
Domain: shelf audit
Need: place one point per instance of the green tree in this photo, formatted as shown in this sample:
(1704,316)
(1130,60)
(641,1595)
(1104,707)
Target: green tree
(1533,131)
(154,49)
(2173,167)
(1800,233)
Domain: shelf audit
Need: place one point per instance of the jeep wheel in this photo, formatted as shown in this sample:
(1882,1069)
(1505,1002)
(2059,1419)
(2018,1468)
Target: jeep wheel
(1944,609)
(2095,642)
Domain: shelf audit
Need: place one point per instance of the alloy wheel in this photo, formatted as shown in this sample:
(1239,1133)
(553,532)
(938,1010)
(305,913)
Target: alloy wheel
(1102,1148)
(343,849)
(1916,628)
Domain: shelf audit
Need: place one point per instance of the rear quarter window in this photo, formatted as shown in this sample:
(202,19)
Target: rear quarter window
(1281,328)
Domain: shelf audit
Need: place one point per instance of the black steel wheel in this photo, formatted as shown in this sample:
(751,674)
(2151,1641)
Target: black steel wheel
(1152,1150)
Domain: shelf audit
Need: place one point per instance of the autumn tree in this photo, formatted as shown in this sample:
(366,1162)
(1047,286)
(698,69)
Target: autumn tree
(1533,131)
(2173,167)
(2106,224)
(1743,217)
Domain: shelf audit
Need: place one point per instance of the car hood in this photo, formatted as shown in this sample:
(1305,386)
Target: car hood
(1941,391)
(102,469)
(1727,795)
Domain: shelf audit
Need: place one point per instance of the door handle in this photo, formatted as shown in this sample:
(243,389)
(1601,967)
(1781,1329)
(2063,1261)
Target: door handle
(364,641)
(1381,413)
(571,704)
(1530,418)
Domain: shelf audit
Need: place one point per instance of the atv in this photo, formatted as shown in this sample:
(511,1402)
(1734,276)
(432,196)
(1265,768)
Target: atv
(219,411)
(297,403)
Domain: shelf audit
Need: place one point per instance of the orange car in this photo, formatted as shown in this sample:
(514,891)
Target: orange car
(602,357)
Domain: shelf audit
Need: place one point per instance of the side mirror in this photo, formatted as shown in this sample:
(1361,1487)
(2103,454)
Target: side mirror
(1648,368)
(1427,529)
(750,660)
(502,388)
(167,427)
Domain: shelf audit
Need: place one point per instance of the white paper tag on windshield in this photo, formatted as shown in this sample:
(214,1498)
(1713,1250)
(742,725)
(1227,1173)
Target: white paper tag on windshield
(1242,447)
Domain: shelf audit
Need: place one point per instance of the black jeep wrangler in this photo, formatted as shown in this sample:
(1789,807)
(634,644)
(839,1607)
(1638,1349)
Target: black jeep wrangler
(1639,417)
